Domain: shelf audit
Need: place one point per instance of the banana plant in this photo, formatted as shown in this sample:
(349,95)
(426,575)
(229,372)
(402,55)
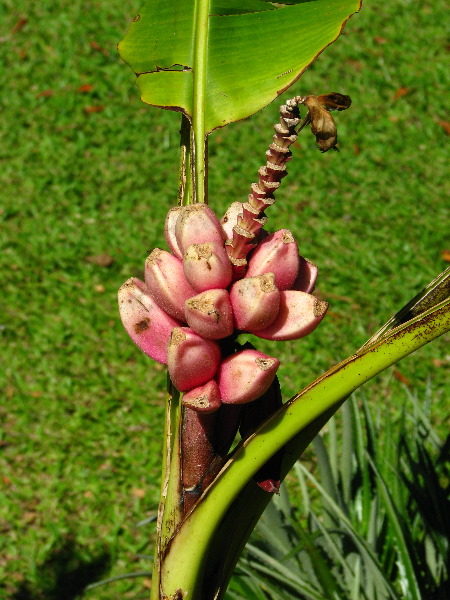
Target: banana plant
(229,439)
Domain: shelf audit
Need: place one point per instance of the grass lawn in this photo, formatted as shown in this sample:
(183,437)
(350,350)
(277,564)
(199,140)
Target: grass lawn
(87,175)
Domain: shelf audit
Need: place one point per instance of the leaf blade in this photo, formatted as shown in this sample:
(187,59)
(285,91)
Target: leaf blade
(251,57)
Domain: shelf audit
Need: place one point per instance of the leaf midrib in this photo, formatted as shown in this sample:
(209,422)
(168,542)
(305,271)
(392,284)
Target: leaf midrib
(200,56)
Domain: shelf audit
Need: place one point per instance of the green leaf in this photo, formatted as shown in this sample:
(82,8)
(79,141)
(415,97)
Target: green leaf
(266,564)
(226,59)
(368,555)
(328,481)
(409,582)
(347,453)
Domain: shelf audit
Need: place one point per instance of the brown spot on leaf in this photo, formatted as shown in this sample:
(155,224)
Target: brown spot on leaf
(142,326)
(154,256)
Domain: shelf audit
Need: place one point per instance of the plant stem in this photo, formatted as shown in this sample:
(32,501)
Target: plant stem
(192,188)
(170,508)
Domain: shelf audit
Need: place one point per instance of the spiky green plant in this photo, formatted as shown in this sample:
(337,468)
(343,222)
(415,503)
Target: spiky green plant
(370,522)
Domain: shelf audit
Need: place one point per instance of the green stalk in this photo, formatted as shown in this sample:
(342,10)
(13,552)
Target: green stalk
(184,566)
(169,510)
(192,188)
(200,41)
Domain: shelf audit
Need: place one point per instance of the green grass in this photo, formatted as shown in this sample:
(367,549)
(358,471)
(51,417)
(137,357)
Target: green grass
(82,408)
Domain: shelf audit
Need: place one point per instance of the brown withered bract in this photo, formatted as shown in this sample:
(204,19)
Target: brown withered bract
(334,101)
(322,124)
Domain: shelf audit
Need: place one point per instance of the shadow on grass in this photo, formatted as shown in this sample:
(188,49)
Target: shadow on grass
(65,573)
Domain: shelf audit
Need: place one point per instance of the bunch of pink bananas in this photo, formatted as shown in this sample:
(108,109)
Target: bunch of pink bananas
(197,298)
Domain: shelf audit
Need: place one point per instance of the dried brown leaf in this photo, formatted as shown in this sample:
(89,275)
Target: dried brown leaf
(445,126)
(445,255)
(401,378)
(138,492)
(45,94)
(334,101)
(401,93)
(322,124)
(101,260)
(93,109)
(85,88)
(96,46)
(19,25)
